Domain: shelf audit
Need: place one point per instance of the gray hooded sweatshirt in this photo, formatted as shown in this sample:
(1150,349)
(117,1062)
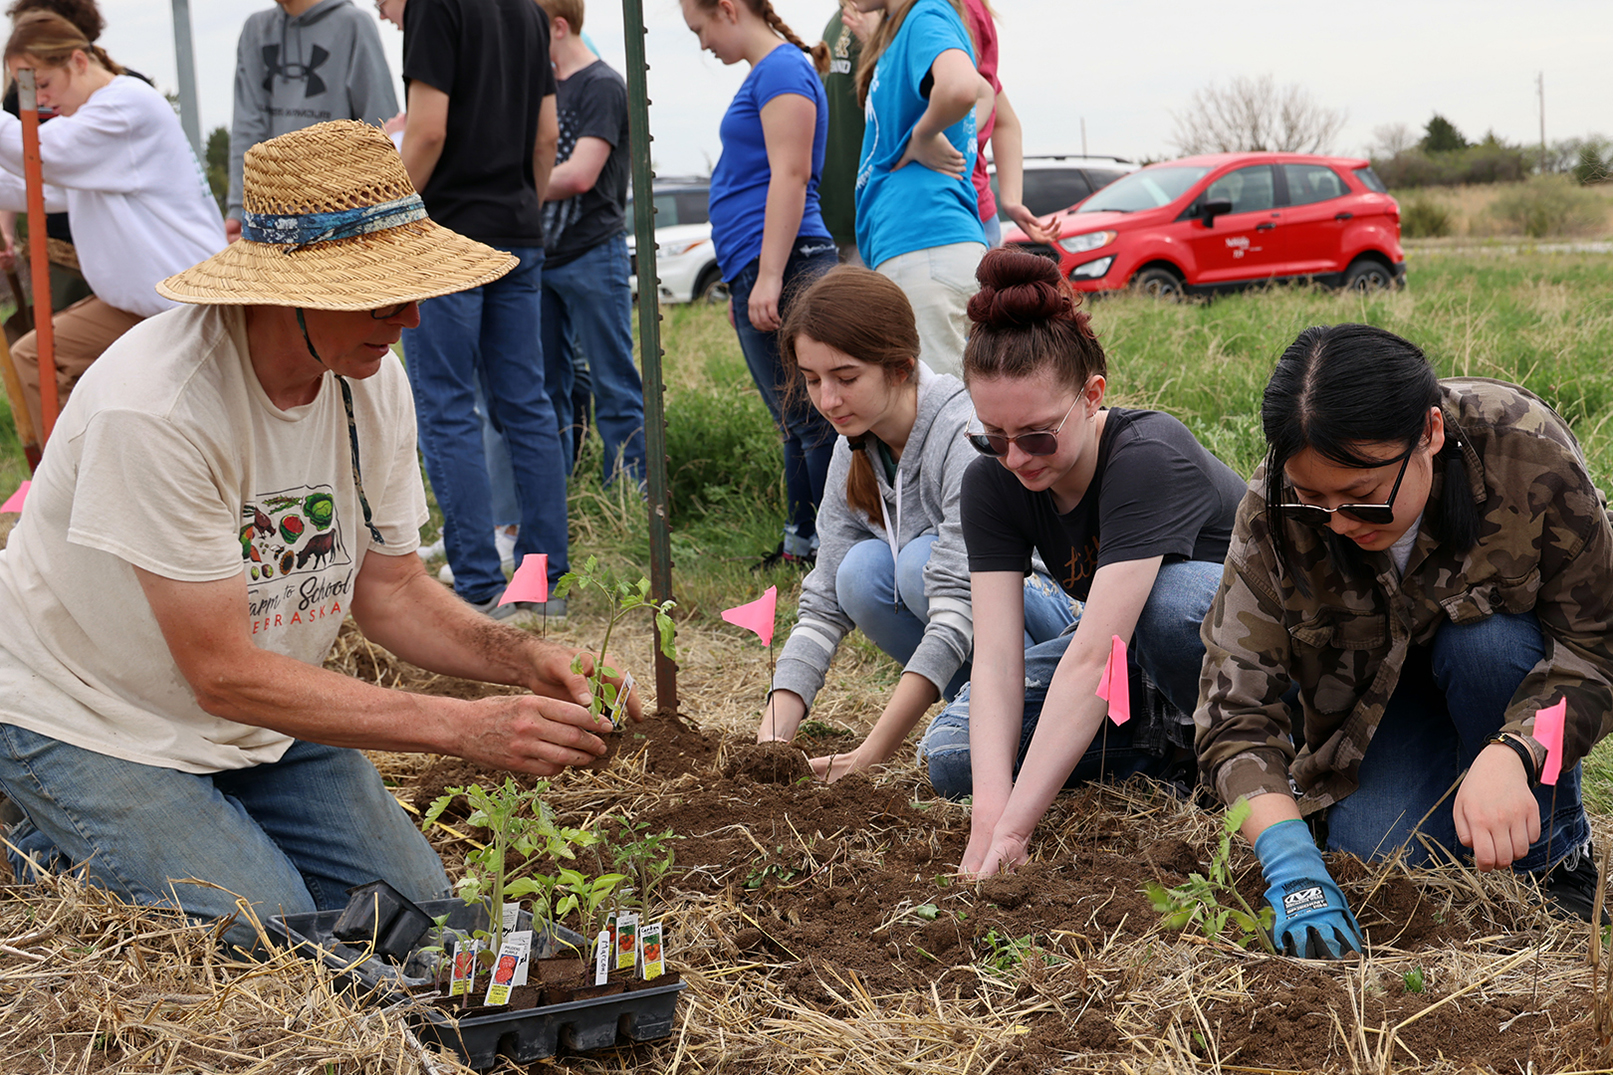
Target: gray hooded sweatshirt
(931,475)
(292,73)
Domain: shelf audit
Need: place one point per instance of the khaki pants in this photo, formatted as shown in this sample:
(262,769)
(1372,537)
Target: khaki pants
(83,331)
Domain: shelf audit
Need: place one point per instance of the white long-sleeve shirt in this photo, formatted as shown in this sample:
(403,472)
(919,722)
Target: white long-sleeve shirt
(134,192)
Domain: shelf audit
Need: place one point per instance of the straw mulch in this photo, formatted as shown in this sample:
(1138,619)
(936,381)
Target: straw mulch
(803,972)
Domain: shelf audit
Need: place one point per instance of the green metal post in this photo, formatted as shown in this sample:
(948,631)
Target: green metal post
(649,335)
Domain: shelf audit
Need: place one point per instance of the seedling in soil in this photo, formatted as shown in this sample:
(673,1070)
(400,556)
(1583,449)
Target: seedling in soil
(1006,952)
(587,896)
(622,598)
(1197,901)
(645,858)
(1413,980)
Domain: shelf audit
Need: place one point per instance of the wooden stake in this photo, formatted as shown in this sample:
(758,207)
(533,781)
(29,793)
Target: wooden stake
(38,249)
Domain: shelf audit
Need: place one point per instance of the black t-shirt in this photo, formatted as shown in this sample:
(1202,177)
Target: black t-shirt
(491,57)
(1157,492)
(592,104)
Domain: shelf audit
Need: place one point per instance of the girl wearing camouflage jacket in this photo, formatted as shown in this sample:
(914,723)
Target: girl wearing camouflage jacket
(1419,566)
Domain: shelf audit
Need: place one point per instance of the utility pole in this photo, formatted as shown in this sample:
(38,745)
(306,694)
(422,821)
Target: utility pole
(1540,88)
(185,61)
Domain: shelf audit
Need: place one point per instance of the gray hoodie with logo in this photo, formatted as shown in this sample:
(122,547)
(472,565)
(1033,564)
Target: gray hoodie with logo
(294,72)
(931,472)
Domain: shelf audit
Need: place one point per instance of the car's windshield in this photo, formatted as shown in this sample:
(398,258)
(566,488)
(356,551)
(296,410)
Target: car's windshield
(1147,189)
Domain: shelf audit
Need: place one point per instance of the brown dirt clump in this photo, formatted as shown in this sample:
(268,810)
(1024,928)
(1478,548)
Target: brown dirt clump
(767,763)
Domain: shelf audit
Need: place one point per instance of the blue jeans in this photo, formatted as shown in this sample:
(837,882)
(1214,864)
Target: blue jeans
(587,304)
(892,609)
(489,333)
(994,232)
(1451,697)
(808,437)
(1165,644)
(506,506)
(290,836)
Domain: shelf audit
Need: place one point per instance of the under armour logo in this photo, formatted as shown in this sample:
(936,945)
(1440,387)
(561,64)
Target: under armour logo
(293,72)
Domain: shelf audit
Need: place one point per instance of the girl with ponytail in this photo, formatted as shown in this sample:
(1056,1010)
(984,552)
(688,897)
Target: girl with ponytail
(766,227)
(1132,516)
(116,159)
(892,560)
(1420,566)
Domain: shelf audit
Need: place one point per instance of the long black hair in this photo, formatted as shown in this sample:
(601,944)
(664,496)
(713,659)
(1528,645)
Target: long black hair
(1341,386)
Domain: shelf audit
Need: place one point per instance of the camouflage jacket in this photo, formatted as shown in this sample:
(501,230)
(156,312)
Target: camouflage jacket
(1545,544)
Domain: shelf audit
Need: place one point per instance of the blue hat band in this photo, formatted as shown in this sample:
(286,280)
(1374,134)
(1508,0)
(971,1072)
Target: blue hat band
(298,231)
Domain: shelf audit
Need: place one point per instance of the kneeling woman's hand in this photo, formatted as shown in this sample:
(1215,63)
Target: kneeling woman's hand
(1495,812)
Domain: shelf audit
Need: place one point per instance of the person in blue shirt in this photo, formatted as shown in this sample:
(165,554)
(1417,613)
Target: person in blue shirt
(766,226)
(918,220)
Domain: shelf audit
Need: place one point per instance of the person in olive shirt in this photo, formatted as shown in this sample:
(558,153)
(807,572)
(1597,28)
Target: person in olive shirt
(837,187)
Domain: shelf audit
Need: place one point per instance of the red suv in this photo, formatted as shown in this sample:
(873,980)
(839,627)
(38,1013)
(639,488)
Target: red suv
(1226,221)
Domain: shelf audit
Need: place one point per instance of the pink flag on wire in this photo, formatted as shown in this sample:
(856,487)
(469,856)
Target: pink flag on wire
(1549,730)
(756,616)
(531,580)
(1114,686)
(14,501)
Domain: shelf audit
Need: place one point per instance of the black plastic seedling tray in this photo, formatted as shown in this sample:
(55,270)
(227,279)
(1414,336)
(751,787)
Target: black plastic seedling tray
(524,1035)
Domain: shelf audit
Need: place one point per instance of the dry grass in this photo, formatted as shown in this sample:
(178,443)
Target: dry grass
(1472,216)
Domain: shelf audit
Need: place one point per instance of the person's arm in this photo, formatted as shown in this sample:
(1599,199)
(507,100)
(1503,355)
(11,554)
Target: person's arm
(955,92)
(425,130)
(8,241)
(787,125)
(781,716)
(370,94)
(580,171)
(1073,712)
(996,704)
(205,626)
(543,148)
(914,695)
(1007,154)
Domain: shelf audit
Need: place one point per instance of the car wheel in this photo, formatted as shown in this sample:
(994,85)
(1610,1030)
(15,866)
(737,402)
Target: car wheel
(710,288)
(1158,283)
(1368,274)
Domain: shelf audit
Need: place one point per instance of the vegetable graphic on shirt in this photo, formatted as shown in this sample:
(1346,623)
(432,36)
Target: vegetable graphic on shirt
(320,509)
(291,528)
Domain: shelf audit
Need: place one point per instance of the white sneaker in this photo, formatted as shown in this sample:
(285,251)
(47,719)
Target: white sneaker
(445,575)
(432,551)
(504,541)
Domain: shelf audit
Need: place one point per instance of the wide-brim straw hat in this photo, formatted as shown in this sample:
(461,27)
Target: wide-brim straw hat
(332,222)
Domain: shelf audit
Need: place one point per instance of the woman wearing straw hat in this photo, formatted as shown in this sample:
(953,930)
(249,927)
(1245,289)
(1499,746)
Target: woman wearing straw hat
(229,482)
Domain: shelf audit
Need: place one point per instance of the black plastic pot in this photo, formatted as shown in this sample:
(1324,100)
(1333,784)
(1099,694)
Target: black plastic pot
(525,1035)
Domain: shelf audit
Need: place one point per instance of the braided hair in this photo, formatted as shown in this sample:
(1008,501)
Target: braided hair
(763,9)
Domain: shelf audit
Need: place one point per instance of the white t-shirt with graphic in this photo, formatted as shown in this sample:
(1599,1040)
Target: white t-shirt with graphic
(170,456)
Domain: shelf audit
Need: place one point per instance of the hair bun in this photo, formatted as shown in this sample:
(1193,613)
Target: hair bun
(1019,288)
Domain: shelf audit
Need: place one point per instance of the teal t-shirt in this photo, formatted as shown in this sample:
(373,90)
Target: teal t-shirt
(915,208)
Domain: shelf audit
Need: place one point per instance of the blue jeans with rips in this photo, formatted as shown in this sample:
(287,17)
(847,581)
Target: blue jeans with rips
(490,333)
(1451,698)
(1165,644)
(289,836)
(587,305)
(892,609)
(808,437)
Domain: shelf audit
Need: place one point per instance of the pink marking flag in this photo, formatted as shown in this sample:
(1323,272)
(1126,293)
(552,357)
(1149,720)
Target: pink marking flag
(1549,730)
(1114,686)
(531,580)
(14,501)
(756,616)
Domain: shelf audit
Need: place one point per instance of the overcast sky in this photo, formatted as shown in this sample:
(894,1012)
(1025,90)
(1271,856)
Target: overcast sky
(1122,66)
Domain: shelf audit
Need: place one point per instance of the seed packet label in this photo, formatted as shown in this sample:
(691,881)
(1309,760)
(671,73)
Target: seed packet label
(464,967)
(512,916)
(618,711)
(610,926)
(525,965)
(654,961)
(626,941)
(517,949)
(602,951)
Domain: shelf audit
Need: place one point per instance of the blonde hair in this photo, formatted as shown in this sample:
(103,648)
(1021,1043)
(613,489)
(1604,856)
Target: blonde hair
(50,41)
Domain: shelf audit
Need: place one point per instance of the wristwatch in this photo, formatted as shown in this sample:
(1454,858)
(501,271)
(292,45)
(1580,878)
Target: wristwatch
(1524,746)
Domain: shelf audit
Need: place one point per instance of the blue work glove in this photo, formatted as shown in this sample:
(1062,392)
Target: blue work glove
(1312,920)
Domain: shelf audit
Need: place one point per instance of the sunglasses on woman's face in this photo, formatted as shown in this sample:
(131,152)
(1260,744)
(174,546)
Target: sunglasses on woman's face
(1372,514)
(1043,443)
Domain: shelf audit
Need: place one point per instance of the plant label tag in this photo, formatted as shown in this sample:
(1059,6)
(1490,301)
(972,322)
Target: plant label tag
(626,941)
(602,950)
(525,965)
(517,949)
(654,961)
(618,711)
(512,916)
(464,967)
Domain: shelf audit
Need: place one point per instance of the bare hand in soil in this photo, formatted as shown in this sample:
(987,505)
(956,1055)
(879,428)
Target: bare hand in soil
(831,767)
(1495,812)
(531,734)
(997,854)
(781,715)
